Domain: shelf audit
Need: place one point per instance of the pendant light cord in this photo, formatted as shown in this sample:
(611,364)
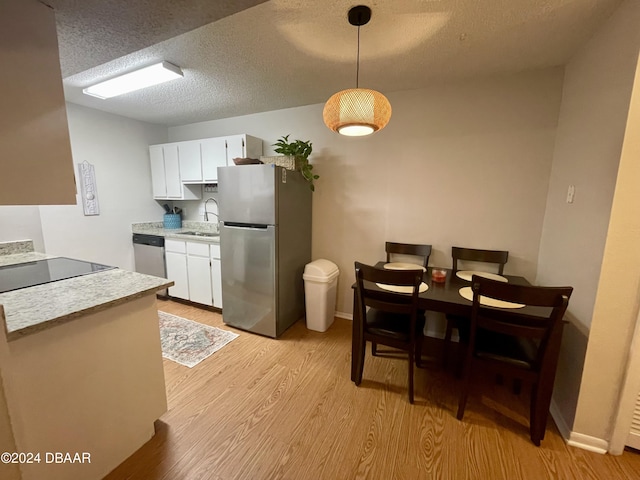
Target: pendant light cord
(358,60)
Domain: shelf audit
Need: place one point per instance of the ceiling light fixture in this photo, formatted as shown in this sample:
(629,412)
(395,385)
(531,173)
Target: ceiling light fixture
(136,80)
(357,111)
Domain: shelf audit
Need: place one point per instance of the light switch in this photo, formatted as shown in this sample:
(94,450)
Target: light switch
(571,192)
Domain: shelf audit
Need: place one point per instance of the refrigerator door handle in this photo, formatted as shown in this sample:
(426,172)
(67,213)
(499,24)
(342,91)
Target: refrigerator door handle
(245,226)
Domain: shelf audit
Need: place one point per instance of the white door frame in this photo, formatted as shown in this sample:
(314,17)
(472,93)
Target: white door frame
(629,397)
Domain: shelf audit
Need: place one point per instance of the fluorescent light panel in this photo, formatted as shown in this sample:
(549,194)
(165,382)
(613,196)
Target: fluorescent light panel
(129,82)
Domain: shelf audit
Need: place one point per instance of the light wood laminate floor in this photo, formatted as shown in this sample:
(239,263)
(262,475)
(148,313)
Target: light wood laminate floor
(287,409)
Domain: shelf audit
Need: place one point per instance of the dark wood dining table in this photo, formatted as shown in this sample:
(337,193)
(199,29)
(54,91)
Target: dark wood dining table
(443,297)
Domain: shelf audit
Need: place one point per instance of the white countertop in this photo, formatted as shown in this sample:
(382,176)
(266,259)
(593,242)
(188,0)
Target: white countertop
(32,309)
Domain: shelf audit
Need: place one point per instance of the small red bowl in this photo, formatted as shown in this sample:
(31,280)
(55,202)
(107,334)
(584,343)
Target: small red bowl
(438,275)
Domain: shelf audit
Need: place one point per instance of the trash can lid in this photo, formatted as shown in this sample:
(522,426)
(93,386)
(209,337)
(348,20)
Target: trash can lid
(320,270)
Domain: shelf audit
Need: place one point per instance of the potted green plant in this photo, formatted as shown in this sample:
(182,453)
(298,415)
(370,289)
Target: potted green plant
(300,151)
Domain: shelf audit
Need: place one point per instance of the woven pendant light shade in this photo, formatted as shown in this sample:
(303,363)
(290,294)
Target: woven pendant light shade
(357,111)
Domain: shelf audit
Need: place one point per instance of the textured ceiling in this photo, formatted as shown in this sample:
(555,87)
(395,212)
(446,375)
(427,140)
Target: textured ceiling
(248,56)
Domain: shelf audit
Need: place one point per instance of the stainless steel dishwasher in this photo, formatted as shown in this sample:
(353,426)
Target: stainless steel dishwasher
(148,252)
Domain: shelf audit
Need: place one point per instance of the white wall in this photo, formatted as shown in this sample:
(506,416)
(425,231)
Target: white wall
(118,148)
(593,116)
(464,163)
(21,223)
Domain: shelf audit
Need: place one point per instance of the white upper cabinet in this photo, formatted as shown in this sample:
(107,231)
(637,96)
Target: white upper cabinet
(214,155)
(190,161)
(165,175)
(172,171)
(177,168)
(158,177)
(243,146)
(37,166)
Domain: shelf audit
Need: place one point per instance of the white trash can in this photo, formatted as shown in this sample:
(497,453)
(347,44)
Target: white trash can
(320,290)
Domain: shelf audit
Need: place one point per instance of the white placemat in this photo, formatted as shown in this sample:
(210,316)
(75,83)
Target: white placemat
(467,274)
(467,293)
(401,288)
(403,266)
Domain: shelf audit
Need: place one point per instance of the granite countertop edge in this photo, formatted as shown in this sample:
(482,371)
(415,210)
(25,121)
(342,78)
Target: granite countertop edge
(58,302)
(13,335)
(157,228)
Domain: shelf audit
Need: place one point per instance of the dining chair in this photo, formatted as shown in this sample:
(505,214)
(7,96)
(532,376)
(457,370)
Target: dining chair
(415,250)
(497,257)
(507,341)
(386,317)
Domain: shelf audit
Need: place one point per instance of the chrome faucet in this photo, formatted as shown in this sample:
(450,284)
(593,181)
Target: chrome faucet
(206,213)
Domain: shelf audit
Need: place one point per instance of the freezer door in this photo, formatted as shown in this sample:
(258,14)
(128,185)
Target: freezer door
(247,194)
(249,278)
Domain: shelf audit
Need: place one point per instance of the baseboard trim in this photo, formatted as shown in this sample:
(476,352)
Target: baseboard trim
(346,316)
(575,439)
(587,442)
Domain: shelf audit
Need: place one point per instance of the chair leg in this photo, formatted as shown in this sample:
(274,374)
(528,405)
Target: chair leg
(411,360)
(464,392)
(418,354)
(360,362)
(447,343)
(374,349)
(462,401)
(540,401)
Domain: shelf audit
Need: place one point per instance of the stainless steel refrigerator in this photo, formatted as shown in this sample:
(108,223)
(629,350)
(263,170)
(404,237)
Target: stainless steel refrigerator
(265,242)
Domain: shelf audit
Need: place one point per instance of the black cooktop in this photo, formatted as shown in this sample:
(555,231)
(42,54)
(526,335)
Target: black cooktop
(22,275)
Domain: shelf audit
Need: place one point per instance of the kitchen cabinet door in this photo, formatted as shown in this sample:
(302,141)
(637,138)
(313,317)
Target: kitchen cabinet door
(235,148)
(172,171)
(190,160)
(216,282)
(214,155)
(252,147)
(177,272)
(158,178)
(165,174)
(199,271)
(216,276)
(243,146)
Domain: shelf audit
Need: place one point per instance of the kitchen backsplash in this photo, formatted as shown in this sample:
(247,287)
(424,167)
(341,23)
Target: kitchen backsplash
(194,210)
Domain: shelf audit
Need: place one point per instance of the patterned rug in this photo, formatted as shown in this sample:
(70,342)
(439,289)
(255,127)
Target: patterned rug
(187,342)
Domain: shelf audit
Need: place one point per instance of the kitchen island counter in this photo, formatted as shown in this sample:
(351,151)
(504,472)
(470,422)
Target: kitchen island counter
(32,309)
(81,369)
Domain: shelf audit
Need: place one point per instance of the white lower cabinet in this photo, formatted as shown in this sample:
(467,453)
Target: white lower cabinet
(195,269)
(216,276)
(199,271)
(176,260)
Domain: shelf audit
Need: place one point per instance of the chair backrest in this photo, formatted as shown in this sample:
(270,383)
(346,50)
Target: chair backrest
(546,330)
(475,255)
(417,250)
(369,295)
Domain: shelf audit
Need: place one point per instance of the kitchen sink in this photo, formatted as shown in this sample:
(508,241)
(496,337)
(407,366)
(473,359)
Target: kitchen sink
(201,234)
